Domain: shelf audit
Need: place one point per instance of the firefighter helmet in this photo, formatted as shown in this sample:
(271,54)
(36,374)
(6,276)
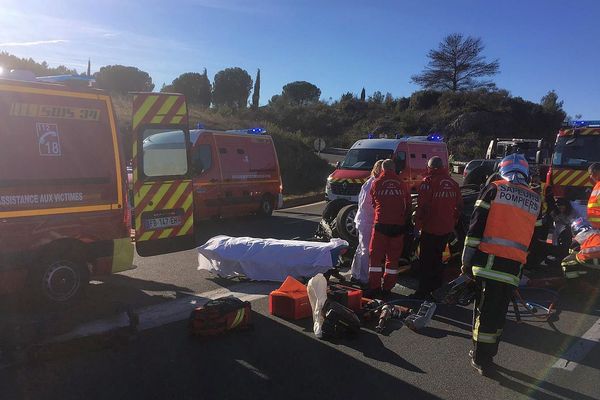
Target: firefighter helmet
(580,225)
(514,168)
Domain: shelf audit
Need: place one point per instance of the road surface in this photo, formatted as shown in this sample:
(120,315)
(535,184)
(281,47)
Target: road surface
(282,359)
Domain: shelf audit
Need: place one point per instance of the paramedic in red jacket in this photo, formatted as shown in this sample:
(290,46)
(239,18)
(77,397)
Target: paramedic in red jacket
(391,200)
(439,204)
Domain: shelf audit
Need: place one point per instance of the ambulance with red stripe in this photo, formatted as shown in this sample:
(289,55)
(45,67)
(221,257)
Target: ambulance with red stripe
(410,153)
(577,146)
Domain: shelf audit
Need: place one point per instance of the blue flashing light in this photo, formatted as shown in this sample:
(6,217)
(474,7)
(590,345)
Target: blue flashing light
(199,126)
(371,136)
(399,136)
(583,123)
(255,131)
(434,137)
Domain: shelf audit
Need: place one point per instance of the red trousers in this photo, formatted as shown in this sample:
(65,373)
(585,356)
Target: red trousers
(385,251)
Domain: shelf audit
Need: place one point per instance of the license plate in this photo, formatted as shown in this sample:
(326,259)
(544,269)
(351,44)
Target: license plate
(162,222)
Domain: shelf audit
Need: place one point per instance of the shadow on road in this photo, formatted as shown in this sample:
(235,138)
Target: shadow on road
(272,361)
(534,388)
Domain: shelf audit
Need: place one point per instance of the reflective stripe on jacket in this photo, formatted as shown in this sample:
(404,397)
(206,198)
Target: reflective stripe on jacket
(593,209)
(511,221)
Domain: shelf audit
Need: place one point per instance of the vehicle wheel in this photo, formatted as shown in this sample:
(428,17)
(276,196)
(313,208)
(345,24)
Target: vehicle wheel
(61,281)
(344,223)
(332,209)
(266,206)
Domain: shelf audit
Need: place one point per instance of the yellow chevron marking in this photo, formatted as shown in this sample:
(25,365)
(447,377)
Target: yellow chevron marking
(164,110)
(178,193)
(166,233)
(559,176)
(581,180)
(572,176)
(158,196)
(143,110)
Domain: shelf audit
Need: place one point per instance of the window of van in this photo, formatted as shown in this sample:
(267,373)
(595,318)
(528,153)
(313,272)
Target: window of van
(201,158)
(164,153)
(400,160)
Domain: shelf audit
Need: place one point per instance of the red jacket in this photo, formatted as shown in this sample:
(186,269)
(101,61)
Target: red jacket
(391,199)
(439,203)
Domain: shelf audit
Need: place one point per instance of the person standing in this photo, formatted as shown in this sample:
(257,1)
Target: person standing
(593,209)
(392,204)
(364,225)
(496,246)
(439,204)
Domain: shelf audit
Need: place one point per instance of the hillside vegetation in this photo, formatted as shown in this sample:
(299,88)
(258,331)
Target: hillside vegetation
(459,100)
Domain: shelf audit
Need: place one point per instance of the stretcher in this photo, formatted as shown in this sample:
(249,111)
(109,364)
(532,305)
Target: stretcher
(269,259)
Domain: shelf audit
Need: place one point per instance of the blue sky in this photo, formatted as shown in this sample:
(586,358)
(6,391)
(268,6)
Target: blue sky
(338,45)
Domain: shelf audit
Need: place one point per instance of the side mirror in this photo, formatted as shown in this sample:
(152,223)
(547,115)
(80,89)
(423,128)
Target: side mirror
(538,157)
(338,165)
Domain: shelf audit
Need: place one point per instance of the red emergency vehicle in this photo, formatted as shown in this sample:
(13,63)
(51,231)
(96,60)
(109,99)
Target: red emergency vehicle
(63,206)
(410,154)
(233,172)
(577,146)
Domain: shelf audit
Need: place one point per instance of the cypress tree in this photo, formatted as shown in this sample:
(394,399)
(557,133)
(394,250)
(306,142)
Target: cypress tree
(256,91)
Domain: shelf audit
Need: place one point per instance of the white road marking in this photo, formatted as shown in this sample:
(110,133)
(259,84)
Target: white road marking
(170,311)
(283,210)
(580,349)
(253,369)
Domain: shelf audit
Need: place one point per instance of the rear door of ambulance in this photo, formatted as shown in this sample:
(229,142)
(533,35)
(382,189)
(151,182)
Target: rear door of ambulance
(60,168)
(162,184)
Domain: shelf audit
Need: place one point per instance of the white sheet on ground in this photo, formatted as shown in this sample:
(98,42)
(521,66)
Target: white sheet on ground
(266,259)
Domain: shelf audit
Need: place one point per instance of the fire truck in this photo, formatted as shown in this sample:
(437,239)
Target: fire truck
(64,214)
(577,146)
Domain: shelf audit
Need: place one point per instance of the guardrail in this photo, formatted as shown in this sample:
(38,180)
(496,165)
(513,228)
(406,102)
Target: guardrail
(335,150)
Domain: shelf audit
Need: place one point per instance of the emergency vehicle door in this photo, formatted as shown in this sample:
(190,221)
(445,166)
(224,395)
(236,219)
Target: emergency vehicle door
(162,185)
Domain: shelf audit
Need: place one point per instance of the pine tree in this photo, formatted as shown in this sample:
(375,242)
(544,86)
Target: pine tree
(362,94)
(256,92)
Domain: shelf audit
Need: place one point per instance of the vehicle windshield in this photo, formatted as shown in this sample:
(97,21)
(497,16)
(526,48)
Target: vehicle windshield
(576,151)
(364,159)
(528,149)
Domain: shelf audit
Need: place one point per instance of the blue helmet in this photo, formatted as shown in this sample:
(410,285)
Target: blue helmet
(580,225)
(514,168)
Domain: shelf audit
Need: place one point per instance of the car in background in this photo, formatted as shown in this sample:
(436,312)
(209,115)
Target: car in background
(477,171)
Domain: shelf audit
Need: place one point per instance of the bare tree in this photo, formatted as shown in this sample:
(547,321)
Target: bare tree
(456,65)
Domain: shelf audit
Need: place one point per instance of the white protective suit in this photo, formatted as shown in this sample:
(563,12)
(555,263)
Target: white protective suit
(364,225)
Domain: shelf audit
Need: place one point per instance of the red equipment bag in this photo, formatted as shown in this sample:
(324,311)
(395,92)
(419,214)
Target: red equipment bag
(219,316)
(345,295)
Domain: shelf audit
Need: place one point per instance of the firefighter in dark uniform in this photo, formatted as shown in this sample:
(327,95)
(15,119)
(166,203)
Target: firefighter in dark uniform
(439,204)
(496,246)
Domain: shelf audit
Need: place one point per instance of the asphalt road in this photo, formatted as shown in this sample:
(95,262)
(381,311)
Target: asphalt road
(282,359)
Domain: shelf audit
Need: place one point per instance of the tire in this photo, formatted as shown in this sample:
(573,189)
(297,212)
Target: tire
(344,223)
(61,281)
(332,209)
(266,206)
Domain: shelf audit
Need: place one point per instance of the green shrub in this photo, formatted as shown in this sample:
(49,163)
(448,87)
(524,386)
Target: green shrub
(302,170)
